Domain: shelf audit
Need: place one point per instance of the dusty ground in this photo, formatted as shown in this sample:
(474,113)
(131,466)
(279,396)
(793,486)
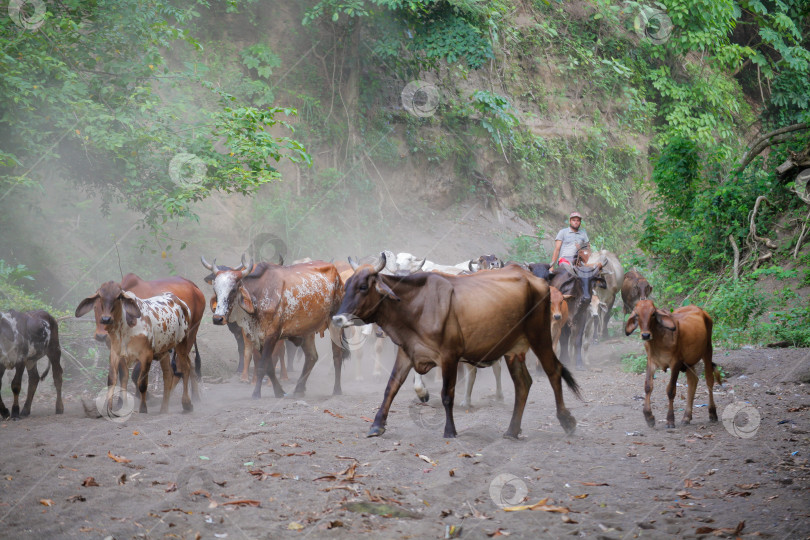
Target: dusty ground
(304,461)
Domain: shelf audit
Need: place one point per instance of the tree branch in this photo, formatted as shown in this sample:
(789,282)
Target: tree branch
(774,137)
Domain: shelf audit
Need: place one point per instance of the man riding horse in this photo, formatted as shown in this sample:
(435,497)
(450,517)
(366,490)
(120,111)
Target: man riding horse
(570,242)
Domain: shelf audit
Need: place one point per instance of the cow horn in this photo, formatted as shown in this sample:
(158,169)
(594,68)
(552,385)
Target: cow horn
(206,263)
(381,264)
(469,265)
(243,261)
(421,264)
(247,270)
(355,264)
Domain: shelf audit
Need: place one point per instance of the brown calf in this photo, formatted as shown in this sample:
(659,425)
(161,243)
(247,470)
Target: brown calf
(675,341)
(635,287)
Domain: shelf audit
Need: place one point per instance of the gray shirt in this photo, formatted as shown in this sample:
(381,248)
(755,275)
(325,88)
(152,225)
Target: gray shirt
(571,242)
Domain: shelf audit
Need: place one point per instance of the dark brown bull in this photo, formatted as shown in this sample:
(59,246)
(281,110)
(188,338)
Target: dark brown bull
(185,290)
(440,320)
(635,287)
(578,285)
(274,302)
(675,341)
(25,337)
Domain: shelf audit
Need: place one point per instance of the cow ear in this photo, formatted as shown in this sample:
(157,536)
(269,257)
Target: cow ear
(210,278)
(632,324)
(385,290)
(601,283)
(131,309)
(664,319)
(245,302)
(86,305)
(568,296)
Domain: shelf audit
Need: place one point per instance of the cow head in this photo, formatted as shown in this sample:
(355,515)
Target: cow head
(541,270)
(228,289)
(590,277)
(365,290)
(647,317)
(106,301)
(489,262)
(557,301)
(8,334)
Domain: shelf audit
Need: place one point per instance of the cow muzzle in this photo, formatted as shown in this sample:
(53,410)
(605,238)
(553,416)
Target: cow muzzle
(646,336)
(342,321)
(218,320)
(557,316)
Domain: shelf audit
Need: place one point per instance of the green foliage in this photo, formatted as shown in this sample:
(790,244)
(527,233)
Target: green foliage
(634,363)
(528,249)
(13,273)
(13,296)
(496,115)
(84,96)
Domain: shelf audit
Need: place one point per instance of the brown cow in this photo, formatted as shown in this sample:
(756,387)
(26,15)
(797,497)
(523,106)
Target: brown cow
(635,287)
(186,291)
(274,302)
(440,320)
(143,329)
(675,341)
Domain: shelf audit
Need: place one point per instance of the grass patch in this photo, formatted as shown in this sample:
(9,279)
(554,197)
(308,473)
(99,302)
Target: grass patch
(634,363)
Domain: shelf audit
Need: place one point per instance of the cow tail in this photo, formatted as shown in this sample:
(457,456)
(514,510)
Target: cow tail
(718,377)
(47,369)
(569,380)
(197,361)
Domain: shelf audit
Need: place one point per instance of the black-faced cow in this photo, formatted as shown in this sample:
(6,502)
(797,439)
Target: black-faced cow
(25,337)
(274,302)
(578,284)
(675,341)
(440,320)
(141,330)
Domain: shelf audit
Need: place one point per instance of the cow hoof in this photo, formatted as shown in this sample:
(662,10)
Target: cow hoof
(450,435)
(686,421)
(499,397)
(671,426)
(337,392)
(580,367)
(375,431)
(4,413)
(142,409)
(713,416)
(258,395)
(188,407)
(25,412)
(568,423)
(15,418)
(425,398)
(511,436)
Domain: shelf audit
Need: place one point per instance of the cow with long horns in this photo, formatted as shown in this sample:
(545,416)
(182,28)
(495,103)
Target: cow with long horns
(441,320)
(272,302)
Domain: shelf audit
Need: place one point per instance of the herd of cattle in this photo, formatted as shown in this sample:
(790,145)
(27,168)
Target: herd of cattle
(475,312)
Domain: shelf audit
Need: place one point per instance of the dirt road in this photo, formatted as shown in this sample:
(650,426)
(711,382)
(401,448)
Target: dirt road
(294,468)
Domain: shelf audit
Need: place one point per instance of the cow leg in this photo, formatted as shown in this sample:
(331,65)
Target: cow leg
(280,353)
(378,350)
(169,382)
(472,373)
(692,381)
(516,364)
(578,342)
(16,386)
(236,330)
(565,336)
(338,355)
(142,383)
(648,388)
(402,366)
(449,374)
(419,387)
(671,388)
(54,356)
(248,353)
(555,371)
(496,369)
(310,357)
(291,353)
(606,316)
(33,382)
(265,364)
(709,368)
(183,351)
(3,409)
